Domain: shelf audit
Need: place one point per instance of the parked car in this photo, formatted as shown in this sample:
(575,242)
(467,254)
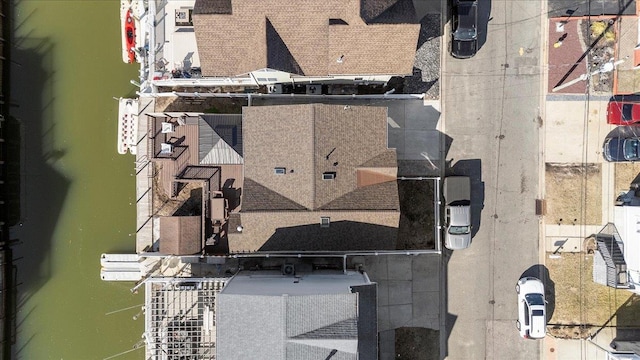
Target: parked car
(532,308)
(464,29)
(623,112)
(621,149)
(457,199)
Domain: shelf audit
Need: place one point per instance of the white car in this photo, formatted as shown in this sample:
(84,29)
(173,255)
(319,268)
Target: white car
(532,308)
(457,198)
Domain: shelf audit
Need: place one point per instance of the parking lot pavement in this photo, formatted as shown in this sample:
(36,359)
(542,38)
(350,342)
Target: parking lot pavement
(408,289)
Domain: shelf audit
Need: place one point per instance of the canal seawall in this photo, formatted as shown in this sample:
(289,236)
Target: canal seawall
(9,186)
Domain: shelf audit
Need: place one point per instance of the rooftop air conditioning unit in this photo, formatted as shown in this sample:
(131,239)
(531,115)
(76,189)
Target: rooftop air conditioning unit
(274,89)
(314,89)
(288,269)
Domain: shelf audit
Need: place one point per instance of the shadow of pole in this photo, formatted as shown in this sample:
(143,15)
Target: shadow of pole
(611,318)
(592,45)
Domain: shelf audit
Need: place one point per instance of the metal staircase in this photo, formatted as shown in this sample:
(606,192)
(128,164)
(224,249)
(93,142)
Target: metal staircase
(611,252)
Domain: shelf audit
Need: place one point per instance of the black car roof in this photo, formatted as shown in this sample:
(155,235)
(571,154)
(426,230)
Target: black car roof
(467,13)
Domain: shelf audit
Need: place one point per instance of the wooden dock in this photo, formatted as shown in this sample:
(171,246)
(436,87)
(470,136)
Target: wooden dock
(145,238)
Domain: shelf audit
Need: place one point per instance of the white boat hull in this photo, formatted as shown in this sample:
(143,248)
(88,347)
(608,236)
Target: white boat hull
(127,125)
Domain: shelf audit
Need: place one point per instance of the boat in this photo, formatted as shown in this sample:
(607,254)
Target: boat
(133,16)
(127,125)
(130,38)
(128,33)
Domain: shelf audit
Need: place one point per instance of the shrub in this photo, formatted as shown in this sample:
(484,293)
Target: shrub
(600,27)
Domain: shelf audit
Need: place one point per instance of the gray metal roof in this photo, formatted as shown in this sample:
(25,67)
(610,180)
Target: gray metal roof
(298,326)
(220,139)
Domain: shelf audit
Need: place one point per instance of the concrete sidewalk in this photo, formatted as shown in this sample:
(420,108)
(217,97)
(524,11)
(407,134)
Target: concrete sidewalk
(565,349)
(573,134)
(574,129)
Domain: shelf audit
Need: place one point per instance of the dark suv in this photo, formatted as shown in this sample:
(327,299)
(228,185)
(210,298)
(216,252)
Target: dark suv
(621,149)
(464,29)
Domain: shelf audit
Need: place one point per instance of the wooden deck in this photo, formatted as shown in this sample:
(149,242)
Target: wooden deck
(185,152)
(168,166)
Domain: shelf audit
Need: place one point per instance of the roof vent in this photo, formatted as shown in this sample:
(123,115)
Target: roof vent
(274,89)
(288,270)
(328,175)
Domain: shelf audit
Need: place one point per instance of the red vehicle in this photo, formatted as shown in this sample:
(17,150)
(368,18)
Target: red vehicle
(623,112)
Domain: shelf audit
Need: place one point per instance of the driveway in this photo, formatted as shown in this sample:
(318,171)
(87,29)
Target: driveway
(408,294)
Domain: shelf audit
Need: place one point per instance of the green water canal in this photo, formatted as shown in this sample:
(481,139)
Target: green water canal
(76,191)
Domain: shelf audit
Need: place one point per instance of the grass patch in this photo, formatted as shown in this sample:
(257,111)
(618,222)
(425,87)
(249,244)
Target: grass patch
(567,200)
(625,173)
(600,27)
(628,81)
(577,300)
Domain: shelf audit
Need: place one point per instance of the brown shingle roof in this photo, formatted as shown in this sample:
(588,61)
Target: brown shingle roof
(383,159)
(310,140)
(180,235)
(259,197)
(301,231)
(280,136)
(282,212)
(212,7)
(371,9)
(296,37)
(377,196)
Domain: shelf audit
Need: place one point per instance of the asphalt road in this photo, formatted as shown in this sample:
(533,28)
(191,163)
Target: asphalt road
(491,110)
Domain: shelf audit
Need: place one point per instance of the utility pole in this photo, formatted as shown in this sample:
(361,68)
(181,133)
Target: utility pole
(606,67)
